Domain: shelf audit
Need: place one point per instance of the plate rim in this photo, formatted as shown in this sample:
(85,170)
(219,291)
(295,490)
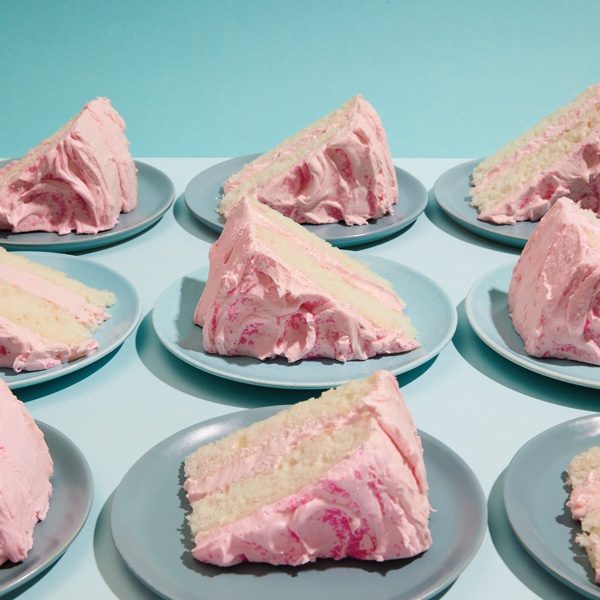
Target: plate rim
(372,261)
(530,363)
(514,508)
(57,437)
(243,418)
(133,302)
(496,233)
(84,242)
(359,237)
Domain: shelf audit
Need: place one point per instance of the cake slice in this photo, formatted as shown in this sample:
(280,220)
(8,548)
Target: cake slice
(583,475)
(336,169)
(46,317)
(79,180)
(337,476)
(558,157)
(25,470)
(554,293)
(276,289)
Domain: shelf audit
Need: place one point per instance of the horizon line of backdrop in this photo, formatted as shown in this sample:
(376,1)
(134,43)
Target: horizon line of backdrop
(232,77)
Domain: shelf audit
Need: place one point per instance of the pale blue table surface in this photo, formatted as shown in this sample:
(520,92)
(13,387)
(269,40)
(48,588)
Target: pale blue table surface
(480,405)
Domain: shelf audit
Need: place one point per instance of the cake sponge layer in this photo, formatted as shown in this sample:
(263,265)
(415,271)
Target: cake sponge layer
(337,476)
(276,289)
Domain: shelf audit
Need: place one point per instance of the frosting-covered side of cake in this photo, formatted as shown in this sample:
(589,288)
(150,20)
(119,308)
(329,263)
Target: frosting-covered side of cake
(337,169)
(559,157)
(275,289)
(79,180)
(583,475)
(25,471)
(333,477)
(46,318)
(554,293)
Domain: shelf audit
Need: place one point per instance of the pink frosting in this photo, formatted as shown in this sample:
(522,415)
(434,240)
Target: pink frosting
(585,497)
(554,294)
(23,350)
(81,181)
(574,175)
(254,304)
(371,506)
(25,471)
(350,178)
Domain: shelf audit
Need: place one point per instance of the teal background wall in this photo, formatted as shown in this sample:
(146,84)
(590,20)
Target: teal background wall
(231,77)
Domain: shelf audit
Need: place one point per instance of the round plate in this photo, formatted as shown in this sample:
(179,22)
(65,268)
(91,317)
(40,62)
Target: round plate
(451,191)
(428,307)
(203,194)
(70,503)
(535,501)
(156,193)
(486,306)
(160,554)
(125,314)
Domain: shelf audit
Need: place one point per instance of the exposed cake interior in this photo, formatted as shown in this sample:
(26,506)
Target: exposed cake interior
(312,448)
(536,150)
(296,147)
(334,271)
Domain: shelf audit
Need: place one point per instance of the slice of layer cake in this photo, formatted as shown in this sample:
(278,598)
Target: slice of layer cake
(46,318)
(554,293)
(337,476)
(583,475)
(79,180)
(336,169)
(558,157)
(25,471)
(276,289)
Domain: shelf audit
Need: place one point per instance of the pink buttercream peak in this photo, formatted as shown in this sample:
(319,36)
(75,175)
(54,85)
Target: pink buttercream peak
(554,292)
(25,471)
(340,170)
(79,180)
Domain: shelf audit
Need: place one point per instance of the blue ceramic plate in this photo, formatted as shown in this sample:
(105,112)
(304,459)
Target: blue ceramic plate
(160,555)
(486,306)
(156,193)
(451,191)
(429,308)
(70,503)
(203,194)
(125,314)
(535,501)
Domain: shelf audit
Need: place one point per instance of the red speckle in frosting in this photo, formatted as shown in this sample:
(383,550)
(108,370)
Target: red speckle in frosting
(3,351)
(298,181)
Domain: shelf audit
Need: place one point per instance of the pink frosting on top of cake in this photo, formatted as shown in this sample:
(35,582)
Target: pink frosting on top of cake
(350,178)
(373,505)
(80,181)
(256,305)
(575,175)
(554,294)
(25,471)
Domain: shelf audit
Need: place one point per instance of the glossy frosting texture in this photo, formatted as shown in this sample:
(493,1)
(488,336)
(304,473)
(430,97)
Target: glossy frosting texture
(346,175)
(25,471)
(256,304)
(79,180)
(372,505)
(554,294)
